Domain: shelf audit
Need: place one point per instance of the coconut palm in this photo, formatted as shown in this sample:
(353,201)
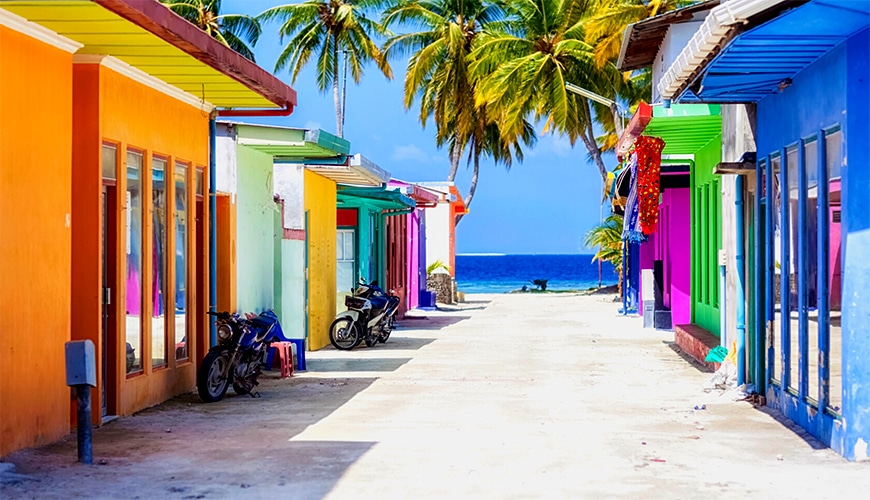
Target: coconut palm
(607,236)
(437,71)
(521,69)
(487,141)
(236,31)
(607,22)
(328,29)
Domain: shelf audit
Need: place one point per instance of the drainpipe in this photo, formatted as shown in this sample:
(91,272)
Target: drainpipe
(723,292)
(212,222)
(624,279)
(740,294)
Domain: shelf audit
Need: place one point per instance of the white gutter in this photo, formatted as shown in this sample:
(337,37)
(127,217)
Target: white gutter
(715,30)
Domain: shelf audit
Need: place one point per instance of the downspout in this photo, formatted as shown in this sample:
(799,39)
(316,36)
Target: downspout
(740,293)
(212,198)
(624,279)
(212,222)
(723,292)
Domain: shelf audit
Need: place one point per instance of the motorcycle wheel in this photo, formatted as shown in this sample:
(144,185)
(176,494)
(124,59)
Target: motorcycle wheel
(385,333)
(210,383)
(344,334)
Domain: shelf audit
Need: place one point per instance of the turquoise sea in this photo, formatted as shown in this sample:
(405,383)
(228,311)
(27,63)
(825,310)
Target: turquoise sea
(496,273)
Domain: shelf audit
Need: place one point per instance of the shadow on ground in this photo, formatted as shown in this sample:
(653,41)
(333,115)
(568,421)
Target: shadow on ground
(356,364)
(429,322)
(240,446)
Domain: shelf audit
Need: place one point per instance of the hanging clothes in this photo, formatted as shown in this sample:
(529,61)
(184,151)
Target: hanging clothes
(649,163)
(631,230)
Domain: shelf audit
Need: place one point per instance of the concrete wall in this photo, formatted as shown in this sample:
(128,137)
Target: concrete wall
(320,203)
(35,211)
(675,40)
(438,234)
(255,219)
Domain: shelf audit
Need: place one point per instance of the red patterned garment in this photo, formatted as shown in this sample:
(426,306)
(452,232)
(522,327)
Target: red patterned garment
(649,166)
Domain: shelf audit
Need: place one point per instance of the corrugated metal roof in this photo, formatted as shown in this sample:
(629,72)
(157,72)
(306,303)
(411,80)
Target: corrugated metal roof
(685,128)
(642,40)
(756,63)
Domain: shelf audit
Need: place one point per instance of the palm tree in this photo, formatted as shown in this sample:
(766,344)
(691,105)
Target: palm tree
(607,236)
(437,70)
(235,31)
(327,29)
(606,24)
(487,141)
(521,69)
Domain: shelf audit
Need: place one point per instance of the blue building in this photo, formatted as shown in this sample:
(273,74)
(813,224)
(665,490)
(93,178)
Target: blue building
(801,72)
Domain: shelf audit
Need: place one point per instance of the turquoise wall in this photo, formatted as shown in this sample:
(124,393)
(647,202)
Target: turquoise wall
(255,223)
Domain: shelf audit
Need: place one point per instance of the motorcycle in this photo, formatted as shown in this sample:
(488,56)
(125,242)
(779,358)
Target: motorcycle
(239,355)
(369,317)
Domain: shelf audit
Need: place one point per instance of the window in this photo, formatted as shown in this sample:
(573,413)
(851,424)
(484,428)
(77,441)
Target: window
(345,252)
(160,243)
(795,258)
(811,263)
(834,165)
(133,273)
(181,259)
(109,162)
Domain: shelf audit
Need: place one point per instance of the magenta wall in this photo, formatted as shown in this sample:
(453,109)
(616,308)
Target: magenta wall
(679,254)
(672,245)
(413,238)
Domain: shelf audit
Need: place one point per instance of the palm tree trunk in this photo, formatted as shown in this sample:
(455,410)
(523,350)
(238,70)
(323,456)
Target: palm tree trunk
(588,136)
(472,188)
(455,156)
(335,94)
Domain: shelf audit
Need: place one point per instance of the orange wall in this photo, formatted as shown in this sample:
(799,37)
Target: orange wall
(35,159)
(226,252)
(139,117)
(320,203)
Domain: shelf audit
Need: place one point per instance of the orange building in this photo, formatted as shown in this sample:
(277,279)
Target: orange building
(105,111)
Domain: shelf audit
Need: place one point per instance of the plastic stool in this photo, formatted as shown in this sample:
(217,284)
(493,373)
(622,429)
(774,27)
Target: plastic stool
(284,350)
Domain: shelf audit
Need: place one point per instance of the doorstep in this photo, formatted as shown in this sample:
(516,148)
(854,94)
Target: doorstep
(696,342)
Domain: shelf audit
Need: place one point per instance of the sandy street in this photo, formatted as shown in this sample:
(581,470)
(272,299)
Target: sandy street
(511,396)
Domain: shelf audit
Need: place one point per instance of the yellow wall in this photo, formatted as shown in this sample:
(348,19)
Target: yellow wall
(35,159)
(320,205)
(136,116)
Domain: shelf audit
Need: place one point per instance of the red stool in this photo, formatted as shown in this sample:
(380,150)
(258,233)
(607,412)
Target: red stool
(284,351)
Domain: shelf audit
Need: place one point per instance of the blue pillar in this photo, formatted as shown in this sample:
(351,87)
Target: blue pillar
(856,248)
(212,233)
(740,296)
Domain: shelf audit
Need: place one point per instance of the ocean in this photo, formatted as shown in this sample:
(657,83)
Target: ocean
(494,273)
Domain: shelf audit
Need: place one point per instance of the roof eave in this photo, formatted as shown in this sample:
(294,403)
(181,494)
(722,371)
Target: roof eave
(156,18)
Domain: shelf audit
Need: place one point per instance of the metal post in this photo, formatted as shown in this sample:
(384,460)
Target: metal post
(740,298)
(83,431)
(212,222)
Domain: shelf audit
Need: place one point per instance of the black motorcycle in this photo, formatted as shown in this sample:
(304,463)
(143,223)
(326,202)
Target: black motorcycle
(369,317)
(239,356)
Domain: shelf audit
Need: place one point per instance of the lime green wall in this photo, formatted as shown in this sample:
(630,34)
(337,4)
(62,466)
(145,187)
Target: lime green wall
(706,236)
(255,224)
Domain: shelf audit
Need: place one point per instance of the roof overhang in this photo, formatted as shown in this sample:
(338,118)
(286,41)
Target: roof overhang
(424,198)
(290,145)
(685,128)
(149,38)
(721,25)
(381,198)
(763,60)
(641,40)
(356,170)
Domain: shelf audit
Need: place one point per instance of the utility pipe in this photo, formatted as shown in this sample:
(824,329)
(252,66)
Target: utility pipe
(624,280)
(740,293)
(723,309)
(212,222)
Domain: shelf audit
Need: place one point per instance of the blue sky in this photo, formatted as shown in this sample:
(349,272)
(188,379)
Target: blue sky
(543,205)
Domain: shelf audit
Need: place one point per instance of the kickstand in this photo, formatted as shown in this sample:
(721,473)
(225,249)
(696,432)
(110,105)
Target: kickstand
(255,394)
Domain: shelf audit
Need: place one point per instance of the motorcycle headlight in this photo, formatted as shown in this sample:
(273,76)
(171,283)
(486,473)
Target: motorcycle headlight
(224,333)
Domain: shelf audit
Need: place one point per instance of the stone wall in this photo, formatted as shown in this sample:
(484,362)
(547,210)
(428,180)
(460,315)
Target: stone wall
(444,287)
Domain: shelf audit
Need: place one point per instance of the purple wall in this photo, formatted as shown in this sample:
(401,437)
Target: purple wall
(672,245)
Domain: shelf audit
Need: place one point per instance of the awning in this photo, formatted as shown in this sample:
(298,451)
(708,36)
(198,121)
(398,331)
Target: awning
(356,170)
(685,128)
(381,198)
(424,198)
(763,60)
(146,36)
(642,40)
(291,145)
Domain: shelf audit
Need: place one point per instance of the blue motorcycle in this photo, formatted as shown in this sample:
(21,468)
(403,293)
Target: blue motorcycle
(239,356)
(369,317)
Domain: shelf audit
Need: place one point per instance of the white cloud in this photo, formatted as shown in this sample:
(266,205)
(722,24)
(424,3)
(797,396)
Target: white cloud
(552,145)
(410,153)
